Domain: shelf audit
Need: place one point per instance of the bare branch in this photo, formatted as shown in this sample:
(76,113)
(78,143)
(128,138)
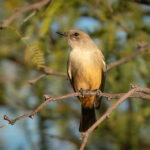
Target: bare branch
(48,99)
(108,112)
(142,47)
(49,71)
(34,7)
(29,16)
(33,81)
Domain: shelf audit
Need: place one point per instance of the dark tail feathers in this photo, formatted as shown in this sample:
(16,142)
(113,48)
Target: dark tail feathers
(87,118)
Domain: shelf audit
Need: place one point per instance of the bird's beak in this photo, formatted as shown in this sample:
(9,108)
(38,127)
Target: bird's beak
(62,33)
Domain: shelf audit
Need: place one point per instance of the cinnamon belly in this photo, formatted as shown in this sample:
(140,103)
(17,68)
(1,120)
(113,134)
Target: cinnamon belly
(87,78)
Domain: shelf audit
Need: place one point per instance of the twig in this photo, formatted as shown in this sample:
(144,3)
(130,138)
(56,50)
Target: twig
(96,92)
(118,95)
(108,112)
(29,16)
(33,81)
(35,6)
(49,71)
(142,47)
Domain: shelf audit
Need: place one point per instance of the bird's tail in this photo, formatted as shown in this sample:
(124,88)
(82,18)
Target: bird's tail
(87,118)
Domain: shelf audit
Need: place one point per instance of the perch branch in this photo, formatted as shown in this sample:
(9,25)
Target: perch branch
(109,96)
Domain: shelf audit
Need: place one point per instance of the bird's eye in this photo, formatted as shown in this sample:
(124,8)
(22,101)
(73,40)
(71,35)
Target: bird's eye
(76,34)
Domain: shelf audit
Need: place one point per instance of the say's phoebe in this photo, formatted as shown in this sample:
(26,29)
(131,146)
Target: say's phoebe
(86,70)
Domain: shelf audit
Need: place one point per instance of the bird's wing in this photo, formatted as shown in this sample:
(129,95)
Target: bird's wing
(98,99)
(70,74)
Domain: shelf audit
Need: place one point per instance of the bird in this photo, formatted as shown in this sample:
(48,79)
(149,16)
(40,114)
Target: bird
(86,69)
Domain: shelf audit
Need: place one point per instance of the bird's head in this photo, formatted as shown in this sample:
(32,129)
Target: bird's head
(77,39)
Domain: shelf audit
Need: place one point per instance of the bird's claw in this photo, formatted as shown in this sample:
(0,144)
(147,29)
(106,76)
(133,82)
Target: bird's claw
(83,92)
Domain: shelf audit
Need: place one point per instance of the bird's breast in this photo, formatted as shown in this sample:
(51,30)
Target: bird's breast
(85,70)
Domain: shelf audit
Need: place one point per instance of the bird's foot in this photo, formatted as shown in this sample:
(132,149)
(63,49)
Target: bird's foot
(98,92)
(83,92)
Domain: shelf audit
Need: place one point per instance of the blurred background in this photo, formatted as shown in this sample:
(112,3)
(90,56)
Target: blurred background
(26,47)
